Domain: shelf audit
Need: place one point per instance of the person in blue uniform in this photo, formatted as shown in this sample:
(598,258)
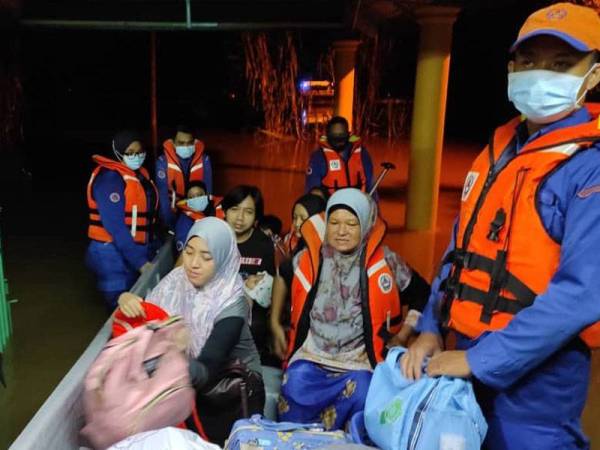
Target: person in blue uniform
(341,161)
(123,205)
(521,290)
(184,160)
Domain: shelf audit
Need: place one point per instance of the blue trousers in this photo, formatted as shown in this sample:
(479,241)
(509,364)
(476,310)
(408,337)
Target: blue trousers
(114,276)
(312,394)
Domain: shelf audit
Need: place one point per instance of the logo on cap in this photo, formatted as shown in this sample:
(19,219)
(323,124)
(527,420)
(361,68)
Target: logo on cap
(556,14)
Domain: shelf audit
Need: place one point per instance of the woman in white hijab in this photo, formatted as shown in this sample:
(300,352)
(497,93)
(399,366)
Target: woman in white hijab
(207,291)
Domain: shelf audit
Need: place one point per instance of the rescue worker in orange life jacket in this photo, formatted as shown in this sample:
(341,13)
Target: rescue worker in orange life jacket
(184,160)
(123,206)
(347,296)
(341,161)
(519,283)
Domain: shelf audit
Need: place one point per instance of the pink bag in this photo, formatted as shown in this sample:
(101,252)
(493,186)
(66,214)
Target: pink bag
(120,398)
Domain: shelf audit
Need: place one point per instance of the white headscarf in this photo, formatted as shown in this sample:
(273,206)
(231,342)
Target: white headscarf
(201,306)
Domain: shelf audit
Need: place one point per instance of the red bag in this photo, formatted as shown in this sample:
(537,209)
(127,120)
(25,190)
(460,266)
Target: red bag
(122,324)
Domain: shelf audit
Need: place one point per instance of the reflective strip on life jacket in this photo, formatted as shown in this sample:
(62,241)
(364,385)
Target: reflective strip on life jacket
(376,267)
(134,220)
(197,167)
(302,279)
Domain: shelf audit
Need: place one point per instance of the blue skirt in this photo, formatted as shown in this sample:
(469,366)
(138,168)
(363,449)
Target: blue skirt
(311,393)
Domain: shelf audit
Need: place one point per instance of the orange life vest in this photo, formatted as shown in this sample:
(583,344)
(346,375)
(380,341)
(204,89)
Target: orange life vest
(290,242)
(136,208)
(176,179)
(504,257)
(219,212)
(340,174)
(197,215)
(381,308)
(185,209)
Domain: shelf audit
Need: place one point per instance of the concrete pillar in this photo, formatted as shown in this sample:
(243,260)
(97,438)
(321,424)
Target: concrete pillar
(344,60)
(429,110)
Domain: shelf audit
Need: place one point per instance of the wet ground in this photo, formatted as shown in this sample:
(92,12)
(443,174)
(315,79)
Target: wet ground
(59,310)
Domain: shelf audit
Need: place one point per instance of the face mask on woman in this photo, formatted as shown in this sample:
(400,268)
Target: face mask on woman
(198,204)
(134,162)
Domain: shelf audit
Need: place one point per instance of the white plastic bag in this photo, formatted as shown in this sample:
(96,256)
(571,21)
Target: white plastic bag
(261,293)
(169,438)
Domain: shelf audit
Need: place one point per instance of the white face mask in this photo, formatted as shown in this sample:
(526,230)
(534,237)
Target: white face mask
(544,96)
(185,151)
(198,204)
(134,162)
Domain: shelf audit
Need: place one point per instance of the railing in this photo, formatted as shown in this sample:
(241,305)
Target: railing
(57,423)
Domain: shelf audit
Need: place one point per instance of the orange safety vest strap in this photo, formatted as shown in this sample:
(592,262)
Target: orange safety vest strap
(523,295)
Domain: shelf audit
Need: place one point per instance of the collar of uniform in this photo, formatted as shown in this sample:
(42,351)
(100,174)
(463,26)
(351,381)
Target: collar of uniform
(577,117)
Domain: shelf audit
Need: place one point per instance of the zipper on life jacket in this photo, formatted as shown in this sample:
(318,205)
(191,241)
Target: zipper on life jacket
(499,274)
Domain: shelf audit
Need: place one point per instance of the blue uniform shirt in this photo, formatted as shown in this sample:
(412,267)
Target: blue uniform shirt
(168,217)
(569,206)
(317,167)
(182,227)
(109,193)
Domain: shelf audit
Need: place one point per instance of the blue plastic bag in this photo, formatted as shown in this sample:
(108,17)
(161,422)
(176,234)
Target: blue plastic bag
(429,414)
(259,433)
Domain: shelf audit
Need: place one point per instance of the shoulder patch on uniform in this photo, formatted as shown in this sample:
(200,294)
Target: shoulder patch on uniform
(114,197)
(469,183)
(334,164)
(585,193)
(161,174)
(309,170)
(179,246)
(385,283)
